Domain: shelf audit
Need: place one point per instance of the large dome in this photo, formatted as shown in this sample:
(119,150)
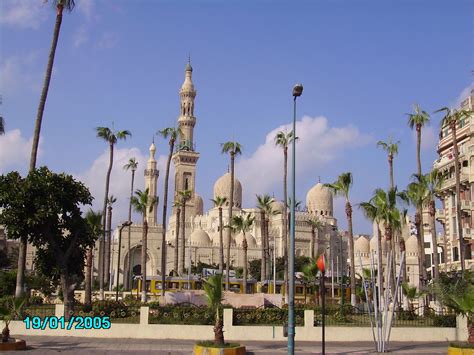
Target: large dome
(362,246)
(319,200)
(199,205)
(251,242)
(215,238)
(278,206)
(373,245)
(199,237)
(222,187)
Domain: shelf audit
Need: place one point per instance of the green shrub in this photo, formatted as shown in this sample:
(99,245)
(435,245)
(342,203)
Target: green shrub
(181,315)
(448,321)
(35,300)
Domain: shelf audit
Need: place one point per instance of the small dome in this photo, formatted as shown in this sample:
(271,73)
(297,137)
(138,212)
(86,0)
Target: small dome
(199,205)
(222,187)
(373,245)
(251,242)
(215,238)
(411,246)
(200,237)
(278,206)
(319,200)
(362,245)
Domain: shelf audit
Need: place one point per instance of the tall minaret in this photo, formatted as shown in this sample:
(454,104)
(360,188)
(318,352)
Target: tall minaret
(186,157)
(151,179)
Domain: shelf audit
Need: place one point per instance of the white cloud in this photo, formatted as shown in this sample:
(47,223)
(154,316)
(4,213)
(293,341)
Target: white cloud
(108,40)
(87,8)
(15,151)
(80,36)
(464,94)
(19,73)
(318,144)
(429,138)
(23,14)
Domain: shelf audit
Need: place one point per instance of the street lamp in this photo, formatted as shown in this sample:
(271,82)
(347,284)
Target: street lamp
(122,226)
(297,91)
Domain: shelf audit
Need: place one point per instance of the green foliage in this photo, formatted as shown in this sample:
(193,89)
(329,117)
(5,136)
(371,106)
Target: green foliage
(255,269)
(455,290)
(7,282)
(211,344)
(213,290)
(265,316)
(11,309)
(181,314)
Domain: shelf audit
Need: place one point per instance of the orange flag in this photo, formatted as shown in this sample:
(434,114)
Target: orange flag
(321,263)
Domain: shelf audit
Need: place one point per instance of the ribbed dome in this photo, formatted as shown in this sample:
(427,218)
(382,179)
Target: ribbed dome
(373,245)
(222,187)
(411,245)
(319,200)
(362,245)
(251,242)
(199,204)
(200,237)
(278,206)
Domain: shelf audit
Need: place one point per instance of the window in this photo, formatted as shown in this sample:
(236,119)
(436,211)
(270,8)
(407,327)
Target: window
(427,245)
(465,164)
(455,254)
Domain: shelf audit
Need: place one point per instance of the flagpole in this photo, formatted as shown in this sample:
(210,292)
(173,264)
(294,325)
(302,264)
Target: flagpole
(321,265)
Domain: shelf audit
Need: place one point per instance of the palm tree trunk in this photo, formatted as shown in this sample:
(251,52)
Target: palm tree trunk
(129,259)
(176,247)
(88,278)
(20,276)
(462,249)
(104,223)
(262,232)
(163,233)
(421,247)
(183,238)
(218,329)
(245,247)
(267,248)
(108,246)
(313,238)
(285,239)
(433,241)
(231,203)
(143,262)
(418,148)
(390,166)
(221,243)
(351,253)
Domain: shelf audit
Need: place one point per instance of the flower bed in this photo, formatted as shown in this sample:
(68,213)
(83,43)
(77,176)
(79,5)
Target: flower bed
(181,314)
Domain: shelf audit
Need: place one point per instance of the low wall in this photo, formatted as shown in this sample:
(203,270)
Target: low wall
(308,332)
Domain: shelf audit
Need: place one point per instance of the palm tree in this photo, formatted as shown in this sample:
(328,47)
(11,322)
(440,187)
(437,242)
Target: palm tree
(177,204)
(242,224)
(411,293)
(131,165)
(170,133)
(263,204)
(233,149)
(108,243)
(184,195)
(418,119)
(94,221)
(2,126)
(310,272)
(111,137)
(143,203)
(315,225)
(219,202)
(269,212)
(60,5)
(283,140)
(341,187)
(213,291)
(392,150)
(453,118)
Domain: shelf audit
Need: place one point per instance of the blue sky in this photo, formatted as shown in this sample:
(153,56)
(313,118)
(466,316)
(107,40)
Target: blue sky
(362,63)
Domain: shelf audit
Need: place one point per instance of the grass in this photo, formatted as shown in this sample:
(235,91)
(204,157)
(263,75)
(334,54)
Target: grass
(211,344)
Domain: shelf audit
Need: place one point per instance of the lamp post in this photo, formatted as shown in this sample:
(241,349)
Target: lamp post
(297,91)
(122,226)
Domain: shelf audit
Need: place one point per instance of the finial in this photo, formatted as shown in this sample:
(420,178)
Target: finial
(189,58)
(319,178)
(153,139)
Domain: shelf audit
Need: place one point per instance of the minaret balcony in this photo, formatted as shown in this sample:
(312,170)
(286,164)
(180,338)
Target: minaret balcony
(440,215)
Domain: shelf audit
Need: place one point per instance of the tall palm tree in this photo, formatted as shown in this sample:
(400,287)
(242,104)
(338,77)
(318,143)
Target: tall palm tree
(315,225)
(108,243)
(342,187)
(219,202)
(233,149)
(131,165)
(242,224)
(111,137)
(283,140)
(263,204)
(184,196)
(177,204)
(269,212)
(94,221)
(143,203)
(171,134)
(392,150)
(60,5)
(213,291)
(453,118)
(418,119)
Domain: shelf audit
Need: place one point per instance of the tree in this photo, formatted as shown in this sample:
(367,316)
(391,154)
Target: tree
(184,196)
(111,137)
(315,225)
(308,278)
(2,126)
(283,140)
(213,291)
(108,244)
(454,118)
(264,204)
(177,204)
(94,221)
(411,293)
(59,232)
(11,309)
(219,202)
(418,119)
(60,5)
(242,224)
(392,150)
(342,187)
(143,203)
(233,149)
(171,134)
(131,165)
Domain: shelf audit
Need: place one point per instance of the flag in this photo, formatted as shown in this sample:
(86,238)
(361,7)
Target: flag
(321,263)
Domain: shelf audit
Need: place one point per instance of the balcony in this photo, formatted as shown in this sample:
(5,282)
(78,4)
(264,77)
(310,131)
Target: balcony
(439,215)
(467,205)
(468,233)
(451,182)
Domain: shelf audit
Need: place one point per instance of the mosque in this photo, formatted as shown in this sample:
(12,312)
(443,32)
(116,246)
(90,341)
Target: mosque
(201,228)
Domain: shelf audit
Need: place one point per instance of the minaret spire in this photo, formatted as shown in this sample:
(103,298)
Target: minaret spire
(151,182)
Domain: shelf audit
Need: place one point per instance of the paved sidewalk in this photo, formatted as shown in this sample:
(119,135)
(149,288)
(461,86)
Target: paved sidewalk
(70,345)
